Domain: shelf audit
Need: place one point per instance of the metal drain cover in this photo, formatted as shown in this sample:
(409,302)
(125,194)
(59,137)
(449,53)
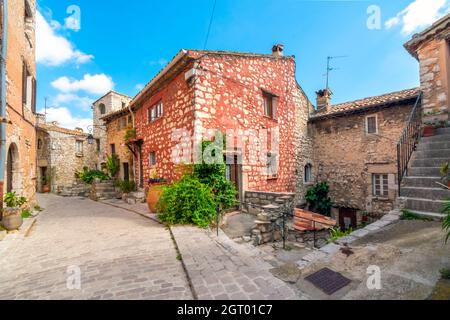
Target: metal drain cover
(328,280)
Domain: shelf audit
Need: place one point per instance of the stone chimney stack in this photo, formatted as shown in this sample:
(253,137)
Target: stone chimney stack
(278,50)
(324,100)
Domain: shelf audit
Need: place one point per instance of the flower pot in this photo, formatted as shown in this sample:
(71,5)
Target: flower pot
(428,131)
(12,219)
(46,188)
(153,195)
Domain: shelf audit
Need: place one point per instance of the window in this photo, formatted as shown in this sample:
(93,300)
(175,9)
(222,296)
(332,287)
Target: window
(308,173)
(380,183)
(155,112)
(130,121)
(28,89)
(113,148)
(270,108)
(97,141)
(28,12)
(102,108)
(371,125)
(152,159)
(122,123)
(39,144)
(79,146)
(123,105)
(272,165)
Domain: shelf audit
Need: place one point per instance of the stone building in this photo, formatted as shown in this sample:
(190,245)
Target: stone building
(355,151)
(19,83)
(107,104)
(431,48)
(117,125)
(61,153)
(252,98)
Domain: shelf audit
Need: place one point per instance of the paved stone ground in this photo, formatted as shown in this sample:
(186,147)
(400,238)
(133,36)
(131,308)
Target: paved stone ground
(120,254)
(221,269)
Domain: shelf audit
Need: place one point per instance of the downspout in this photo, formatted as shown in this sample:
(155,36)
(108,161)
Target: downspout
(134,128)
(3,101)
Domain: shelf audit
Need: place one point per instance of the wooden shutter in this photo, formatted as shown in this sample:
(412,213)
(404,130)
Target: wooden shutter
(33,99)
(24,83)
(274,107)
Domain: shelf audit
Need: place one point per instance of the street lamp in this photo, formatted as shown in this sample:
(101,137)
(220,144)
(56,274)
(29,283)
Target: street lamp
(90,137)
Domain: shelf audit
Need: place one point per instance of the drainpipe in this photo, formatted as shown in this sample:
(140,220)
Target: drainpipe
(134,127)
(3,101)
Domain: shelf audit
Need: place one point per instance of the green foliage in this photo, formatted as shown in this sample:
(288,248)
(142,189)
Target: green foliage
(318,199)
(336,233)
(446,222)
(409,215)
(445,273)
(26,214)
(12,200)
(187,201)
(113,165)
(213,175)
(126,186)
(130,134)
(2,229)
(88,176)
(445,171)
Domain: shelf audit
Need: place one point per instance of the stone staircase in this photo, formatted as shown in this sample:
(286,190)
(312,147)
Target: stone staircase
(103,190)
(419,188)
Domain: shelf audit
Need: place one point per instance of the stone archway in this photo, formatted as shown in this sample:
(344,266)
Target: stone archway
(13,177)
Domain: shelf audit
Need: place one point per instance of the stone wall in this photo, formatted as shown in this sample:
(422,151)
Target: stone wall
(255,202)
(20,133)
(346,157)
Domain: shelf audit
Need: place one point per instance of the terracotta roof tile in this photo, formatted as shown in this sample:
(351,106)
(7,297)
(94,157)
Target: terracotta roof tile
(52,127)
(369,102)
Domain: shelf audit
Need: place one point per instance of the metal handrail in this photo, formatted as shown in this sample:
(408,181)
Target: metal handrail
(408,141)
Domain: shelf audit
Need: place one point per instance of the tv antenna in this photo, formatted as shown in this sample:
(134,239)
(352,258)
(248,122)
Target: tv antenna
(330,68)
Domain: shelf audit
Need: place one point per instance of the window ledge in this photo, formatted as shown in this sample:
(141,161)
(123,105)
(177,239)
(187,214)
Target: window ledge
(270,118)
(79,155)
(272,178)
(381,198)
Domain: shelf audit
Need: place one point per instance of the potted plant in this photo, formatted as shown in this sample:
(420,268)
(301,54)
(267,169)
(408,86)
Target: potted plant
(12,214)
(155,190)
(446,174)
(46,184)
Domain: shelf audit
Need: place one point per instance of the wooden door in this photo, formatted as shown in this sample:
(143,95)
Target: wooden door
(347,218)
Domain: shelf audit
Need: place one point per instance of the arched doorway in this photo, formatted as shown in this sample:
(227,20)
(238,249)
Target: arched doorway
(12,169)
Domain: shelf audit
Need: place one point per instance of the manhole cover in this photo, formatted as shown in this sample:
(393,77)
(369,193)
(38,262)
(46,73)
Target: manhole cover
(328,280)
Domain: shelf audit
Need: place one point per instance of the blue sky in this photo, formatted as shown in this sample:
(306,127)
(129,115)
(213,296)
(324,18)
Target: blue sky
(122,45)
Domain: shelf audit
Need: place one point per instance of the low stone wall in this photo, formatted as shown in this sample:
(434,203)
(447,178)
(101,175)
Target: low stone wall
(78,189)
(255,200)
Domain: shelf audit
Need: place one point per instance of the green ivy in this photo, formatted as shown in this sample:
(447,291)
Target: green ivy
(446,222)
(318,199)
(113,165)
(187,201)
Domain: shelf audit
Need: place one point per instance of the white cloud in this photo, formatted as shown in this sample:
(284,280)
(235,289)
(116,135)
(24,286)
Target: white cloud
(65,118)
(139,86)
(69,98)
(160,62)
(53,49)
(95,84)
(418,15)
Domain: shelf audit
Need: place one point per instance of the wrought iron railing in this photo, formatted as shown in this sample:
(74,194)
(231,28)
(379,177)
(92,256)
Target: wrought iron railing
(408,141)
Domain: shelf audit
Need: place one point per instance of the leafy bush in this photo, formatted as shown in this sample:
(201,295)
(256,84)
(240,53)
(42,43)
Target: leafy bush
(113,165)
(130,134)
(318,199)
(213,175)
(126,186)
(88,176)
(187,201)
(446,222)
(336,233)
(409,215)
(12,200)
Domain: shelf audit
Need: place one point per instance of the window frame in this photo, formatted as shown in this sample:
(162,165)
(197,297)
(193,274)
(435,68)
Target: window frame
(384,188)
(367,124)
(102,108)
(152,159)
(78,144)
(155,112)
(307,173)
(271,161)
(271,111)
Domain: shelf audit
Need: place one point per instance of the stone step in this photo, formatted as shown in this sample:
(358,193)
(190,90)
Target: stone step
(435,153)
(429,162)
(424,205)
(424,182)
(425,171)
(425,193)
(106,195)
(423,145)
(436,138)
(443,130)
(430,215)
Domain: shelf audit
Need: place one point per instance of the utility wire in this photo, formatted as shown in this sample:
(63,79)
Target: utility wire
(210,24)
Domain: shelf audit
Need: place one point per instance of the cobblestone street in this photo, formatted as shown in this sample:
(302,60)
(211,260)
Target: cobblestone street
(120,254)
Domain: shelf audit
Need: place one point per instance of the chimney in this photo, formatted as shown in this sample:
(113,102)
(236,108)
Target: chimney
(277,50)
(323,100)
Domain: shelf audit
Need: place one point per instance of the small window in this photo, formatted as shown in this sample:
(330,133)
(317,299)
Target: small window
(308,173)
(39,144)
(272,165)
(123,105)
(102,108)
(270,109)
(371,125)
(130,121)
(28,12)
(152,159)
(113,148)
(79,146)
(380,185)
(97,141)
(155,112)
